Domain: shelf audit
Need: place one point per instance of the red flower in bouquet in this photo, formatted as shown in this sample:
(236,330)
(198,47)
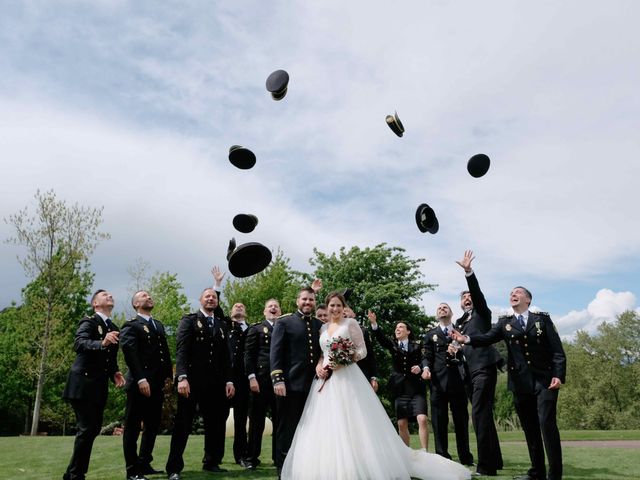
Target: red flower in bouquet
(342,351)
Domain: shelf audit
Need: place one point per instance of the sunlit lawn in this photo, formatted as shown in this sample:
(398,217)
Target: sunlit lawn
(46,458)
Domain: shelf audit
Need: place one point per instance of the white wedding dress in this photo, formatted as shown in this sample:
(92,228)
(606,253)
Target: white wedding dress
(345,434)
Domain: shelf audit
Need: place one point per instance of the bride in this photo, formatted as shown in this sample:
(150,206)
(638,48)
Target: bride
(344,432)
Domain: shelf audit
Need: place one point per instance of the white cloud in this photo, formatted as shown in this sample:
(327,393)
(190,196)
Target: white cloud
(604,308)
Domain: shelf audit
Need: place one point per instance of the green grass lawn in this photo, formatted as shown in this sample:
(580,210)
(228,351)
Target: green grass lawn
(45,458)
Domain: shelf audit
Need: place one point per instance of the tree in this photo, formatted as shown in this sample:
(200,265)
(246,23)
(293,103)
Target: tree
(58,241)
(277,281)
(603,377)
(382,279)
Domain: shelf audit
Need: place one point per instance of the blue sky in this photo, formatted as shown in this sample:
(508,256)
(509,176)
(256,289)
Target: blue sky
(133,106)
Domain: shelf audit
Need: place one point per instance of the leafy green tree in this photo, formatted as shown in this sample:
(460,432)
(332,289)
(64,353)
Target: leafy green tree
(383,279)
(58,240)
(603,377)
(277,281)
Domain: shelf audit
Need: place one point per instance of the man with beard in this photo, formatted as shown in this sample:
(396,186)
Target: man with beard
(240,401)
(144,344)
(481,371)
(442,365)
(257,366)
(295,351)
(87,388)
(537,367)
(203,369)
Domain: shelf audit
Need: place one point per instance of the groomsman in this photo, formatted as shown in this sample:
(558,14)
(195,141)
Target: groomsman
(537,367)
(87,388)
(442,364)
(295,351)
(257,366)
(145,349)
(408,389)
(482,371)
(240,402)
(203,369)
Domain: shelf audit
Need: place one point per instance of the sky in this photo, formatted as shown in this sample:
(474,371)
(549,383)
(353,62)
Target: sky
(132,106)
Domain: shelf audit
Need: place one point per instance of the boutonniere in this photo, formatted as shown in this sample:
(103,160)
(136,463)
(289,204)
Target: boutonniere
(100,329)
(538,329)
(435,337)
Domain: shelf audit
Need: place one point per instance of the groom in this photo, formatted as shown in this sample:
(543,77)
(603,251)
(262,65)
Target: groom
(295,350)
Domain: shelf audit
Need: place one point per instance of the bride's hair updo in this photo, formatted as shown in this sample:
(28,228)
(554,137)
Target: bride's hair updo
(335,294)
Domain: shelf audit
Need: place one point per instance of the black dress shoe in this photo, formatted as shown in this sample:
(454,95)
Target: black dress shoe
(149,470)
(137,477)
(214,468)
(486,473)
(174,476)
(246,464)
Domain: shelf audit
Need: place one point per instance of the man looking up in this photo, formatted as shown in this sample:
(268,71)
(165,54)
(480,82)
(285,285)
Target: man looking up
(258,369)
(442,365)
(87,388)
(145,349)
(482,371)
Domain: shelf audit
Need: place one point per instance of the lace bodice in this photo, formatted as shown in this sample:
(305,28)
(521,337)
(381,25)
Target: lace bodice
(347,328)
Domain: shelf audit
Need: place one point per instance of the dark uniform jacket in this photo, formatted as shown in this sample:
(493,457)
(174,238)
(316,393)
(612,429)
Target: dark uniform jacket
(94,364)
(295,350)
(236,340)
(478,323)
(257,349)
(146,352)
(202,351)
(535,355)
(402,381)
(368,364)
(445,373)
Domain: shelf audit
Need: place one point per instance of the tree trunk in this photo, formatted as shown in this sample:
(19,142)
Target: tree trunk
(41,375)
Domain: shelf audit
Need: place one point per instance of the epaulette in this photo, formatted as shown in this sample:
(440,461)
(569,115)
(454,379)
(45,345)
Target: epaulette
(505,316)
(132,319)
(544,314)
(285,315)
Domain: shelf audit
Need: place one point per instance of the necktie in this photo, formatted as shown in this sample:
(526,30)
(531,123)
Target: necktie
(446,331)
(210,321)
(109,324)
(153,324)
(521,321)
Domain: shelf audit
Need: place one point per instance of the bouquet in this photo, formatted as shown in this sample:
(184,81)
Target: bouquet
(341,352)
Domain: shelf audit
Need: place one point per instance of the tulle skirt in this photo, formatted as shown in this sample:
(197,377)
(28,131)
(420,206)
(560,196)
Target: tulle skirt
(345,434)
